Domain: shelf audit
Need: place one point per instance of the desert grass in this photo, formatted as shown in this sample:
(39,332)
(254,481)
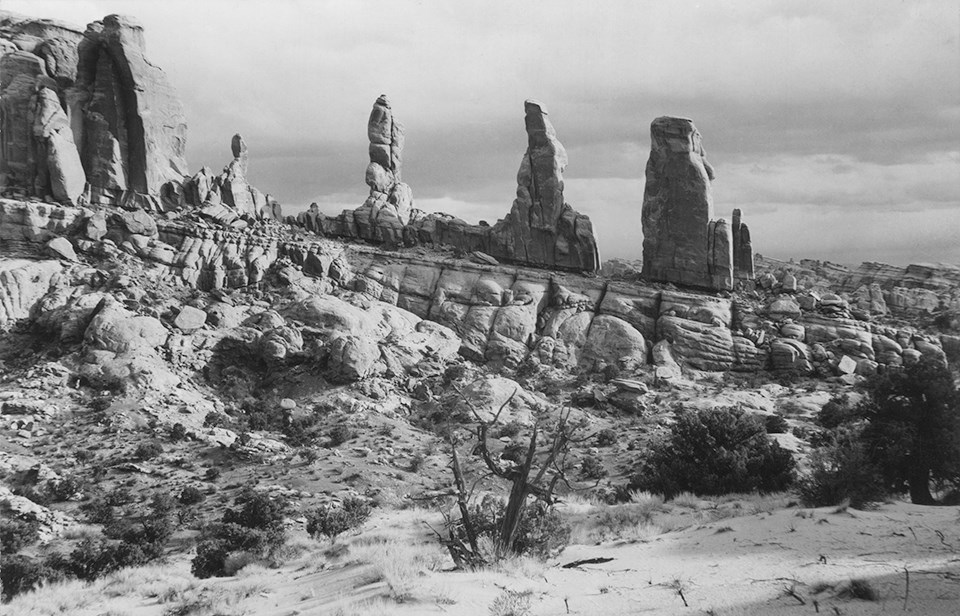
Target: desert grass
(511,603)
(686,499)
(400,563)
(171,586)
(79,532)
(57,598)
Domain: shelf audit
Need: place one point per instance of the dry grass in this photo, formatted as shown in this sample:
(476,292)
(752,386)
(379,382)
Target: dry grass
(401,564)
(79,532)
(511,603)
(686,499)
(54,599)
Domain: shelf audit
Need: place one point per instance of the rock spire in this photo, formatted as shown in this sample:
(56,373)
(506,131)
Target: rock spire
(682,241)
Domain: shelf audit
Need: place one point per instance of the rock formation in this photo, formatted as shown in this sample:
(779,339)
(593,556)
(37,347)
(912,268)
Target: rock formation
(539,230)
(682,242)
(228,198)
(133,135)
(386,212)
(743,267)
(86,108)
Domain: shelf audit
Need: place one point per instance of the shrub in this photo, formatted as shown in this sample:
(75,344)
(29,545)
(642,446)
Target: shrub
(859,589)
(841,471)
(340,434)
(308,454)
(509,429)
(453,373)
(94,558)
(178,432)
(147,451)
(17,533)
(542,531)
(213,419)
(836,412)
(256,528)
(610,372)
(331,520)
(775,424)
(212,474)
(606,437)
(191,496)
(716,451)
(591,468)
(20,574)
(98,510)
(64,489)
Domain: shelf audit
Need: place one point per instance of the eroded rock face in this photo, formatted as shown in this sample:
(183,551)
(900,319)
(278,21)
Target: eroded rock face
(22,284)
(134,132)
(682,242)
(59,170)
(86,108)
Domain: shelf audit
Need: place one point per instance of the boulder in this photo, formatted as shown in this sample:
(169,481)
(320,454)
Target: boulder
(61,248)
(666,366)
(116,329)
(783,308)
(792,355)
(614,342)
(485,397)
(190,319)
(846,365)
(351,357)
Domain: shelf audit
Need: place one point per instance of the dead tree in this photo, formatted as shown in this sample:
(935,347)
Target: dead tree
(541,469)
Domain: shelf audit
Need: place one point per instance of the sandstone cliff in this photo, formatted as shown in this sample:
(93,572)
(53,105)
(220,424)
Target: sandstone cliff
(504,315)
(86,108)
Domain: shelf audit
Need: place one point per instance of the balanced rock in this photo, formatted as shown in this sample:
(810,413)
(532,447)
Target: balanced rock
(385,214)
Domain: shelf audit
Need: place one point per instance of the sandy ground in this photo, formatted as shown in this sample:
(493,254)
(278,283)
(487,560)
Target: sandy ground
(788,561)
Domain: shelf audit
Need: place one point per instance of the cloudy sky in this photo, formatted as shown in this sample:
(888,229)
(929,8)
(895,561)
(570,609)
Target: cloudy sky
(834,126)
